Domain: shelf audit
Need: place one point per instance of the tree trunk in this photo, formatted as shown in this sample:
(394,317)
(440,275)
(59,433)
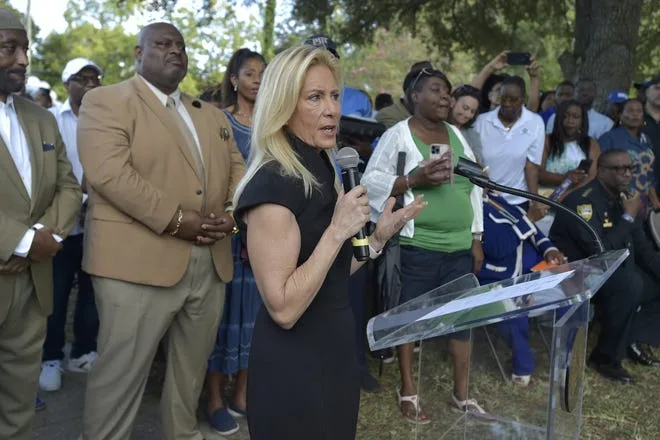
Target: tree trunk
(606,35)
(268,48)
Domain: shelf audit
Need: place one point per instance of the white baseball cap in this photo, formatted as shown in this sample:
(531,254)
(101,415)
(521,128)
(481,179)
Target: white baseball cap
(76,65)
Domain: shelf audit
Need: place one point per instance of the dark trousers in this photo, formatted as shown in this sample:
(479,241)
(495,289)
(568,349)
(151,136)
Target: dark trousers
(66,266)
(357,288)
(423,270)
(629,307)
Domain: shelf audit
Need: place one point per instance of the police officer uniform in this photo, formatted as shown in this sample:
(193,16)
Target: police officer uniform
(629,302)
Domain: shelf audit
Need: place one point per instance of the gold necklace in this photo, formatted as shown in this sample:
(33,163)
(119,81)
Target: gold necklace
(240,113)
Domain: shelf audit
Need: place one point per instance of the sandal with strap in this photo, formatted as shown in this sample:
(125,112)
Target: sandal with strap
(469,405)
(418,417)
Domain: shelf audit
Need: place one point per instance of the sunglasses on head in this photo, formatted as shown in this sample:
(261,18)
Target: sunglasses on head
(427,72)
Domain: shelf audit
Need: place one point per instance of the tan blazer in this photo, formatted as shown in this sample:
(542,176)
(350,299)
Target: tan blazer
(139,171)
(55,201)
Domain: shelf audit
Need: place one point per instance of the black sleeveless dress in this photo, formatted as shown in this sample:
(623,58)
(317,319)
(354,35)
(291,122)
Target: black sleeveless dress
(303,383)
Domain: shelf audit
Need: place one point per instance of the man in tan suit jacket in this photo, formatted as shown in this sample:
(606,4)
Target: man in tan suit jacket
(161,168)
(37,190)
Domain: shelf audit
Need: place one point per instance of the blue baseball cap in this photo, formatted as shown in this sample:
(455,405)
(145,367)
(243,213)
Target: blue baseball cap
(617,97)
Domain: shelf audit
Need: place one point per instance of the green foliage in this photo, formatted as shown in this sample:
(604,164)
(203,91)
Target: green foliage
(381,66)
(477,29)
(110,48)
(648,48)
(268,43)
(95,31)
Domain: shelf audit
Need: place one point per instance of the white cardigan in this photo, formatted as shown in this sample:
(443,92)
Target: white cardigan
(380,174)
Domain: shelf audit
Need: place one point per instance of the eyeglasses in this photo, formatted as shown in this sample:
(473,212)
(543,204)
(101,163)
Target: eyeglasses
(424,71)
(620,169)
(85,79)
(430,72)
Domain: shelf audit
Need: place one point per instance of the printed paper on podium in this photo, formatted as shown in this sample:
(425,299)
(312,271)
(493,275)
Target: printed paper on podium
(499,294)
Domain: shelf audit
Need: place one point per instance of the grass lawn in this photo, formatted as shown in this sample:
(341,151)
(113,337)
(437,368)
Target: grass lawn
(610,411)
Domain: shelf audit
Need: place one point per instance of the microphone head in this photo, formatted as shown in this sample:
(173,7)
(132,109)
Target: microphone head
(467,168)
(196,104)
(347,158)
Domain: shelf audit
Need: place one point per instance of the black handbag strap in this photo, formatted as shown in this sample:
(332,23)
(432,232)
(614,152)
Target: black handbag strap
(400,167)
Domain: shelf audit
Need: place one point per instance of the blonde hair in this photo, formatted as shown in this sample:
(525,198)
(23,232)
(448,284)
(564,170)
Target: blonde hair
(276,102)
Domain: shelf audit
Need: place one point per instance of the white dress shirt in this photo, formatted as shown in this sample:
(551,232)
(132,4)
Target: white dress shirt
(506,152)
(162,97)
(67,122)
(599,124)
(12,134)
(380,174)
(17,144)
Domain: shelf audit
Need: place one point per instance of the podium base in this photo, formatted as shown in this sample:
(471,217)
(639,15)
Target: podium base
(471,427)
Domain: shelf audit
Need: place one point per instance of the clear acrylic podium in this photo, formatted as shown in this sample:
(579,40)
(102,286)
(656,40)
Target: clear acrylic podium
(559,296)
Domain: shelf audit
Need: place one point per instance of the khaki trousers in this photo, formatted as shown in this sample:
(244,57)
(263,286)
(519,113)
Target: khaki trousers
(22,334)
(133,319)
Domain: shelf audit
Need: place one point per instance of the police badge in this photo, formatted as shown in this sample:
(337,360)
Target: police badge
(585,211)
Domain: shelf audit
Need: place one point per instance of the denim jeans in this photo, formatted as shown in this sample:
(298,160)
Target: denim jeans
(66,266)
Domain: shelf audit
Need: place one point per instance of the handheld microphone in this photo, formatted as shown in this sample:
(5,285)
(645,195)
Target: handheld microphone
(467,168)
(348,160)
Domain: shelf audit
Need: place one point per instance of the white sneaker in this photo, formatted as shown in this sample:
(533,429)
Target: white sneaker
(82,364)
(522,381)
(50,378)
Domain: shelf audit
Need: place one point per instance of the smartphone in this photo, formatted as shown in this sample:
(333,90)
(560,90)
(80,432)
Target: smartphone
(518,58)
(439,150)
(585,165)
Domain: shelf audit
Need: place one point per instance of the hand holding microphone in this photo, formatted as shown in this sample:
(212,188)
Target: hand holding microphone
(352,209)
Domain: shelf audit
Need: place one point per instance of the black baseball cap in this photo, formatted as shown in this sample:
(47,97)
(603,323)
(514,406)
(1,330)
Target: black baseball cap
(647,84)
(323,42)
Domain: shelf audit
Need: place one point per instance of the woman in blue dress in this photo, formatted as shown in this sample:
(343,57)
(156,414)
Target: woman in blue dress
(231,351)
(628,136)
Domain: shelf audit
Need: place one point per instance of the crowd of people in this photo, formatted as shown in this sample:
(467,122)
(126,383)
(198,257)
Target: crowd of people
(215,229)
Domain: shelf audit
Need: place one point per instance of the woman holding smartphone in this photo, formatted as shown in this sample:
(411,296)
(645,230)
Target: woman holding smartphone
(444,242)
(566,148)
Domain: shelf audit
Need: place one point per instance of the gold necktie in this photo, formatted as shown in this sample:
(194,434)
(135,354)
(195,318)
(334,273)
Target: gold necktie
(188,136)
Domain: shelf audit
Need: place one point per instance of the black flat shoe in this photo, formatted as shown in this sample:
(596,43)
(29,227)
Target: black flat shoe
(369,383)
(642,354)
(612,371)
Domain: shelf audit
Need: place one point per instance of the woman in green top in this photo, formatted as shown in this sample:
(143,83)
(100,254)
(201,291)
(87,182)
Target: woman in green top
(444,242)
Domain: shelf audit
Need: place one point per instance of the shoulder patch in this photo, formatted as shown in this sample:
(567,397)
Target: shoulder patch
(585,211)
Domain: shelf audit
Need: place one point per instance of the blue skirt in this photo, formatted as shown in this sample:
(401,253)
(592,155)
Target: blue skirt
(242,302)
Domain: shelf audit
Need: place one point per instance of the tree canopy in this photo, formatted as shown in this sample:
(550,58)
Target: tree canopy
(483,28)
(95,30)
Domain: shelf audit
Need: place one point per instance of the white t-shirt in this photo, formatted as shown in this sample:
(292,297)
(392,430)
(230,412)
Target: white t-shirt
(506,152)
(599,124)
